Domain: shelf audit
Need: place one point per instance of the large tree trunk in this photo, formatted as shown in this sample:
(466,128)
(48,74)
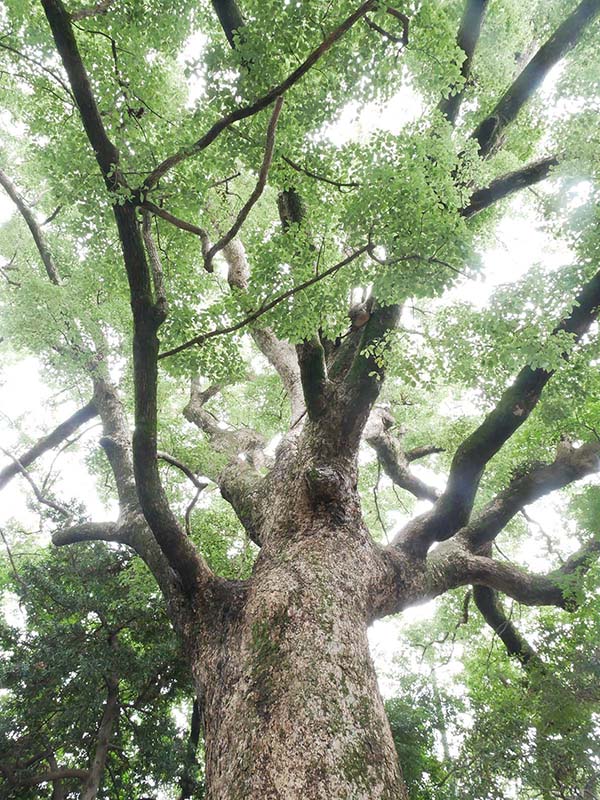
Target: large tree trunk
(291,703)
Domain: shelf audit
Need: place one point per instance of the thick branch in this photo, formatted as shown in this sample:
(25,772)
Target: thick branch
(48,442)
(105,731)
(33,226)
(230,18)
(187,783)
(89,532)
(509,184)
(391,457)
(362,383)
(106,153)
(453,509)
(313,374)
(466,40)
(263,102)
(62,773)
(489,132)
(490,607)
(570,465)
(422,451)
(147,317)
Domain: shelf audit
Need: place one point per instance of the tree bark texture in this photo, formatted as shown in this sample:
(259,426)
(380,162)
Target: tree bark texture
(291,704)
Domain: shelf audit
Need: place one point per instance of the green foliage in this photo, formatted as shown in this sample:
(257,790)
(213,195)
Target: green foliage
(82,615)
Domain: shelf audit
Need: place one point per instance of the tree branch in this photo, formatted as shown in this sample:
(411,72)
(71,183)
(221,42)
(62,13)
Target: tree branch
(508,184)
(489,132)
(89,532)
(391,457)
(181,466)
(313,374)
(362,382)
(453,509)
(147,318)
(48,442)
(203,337)
(39,495)
(110,714)
(230,18)
(490,607)
(466,40)
(422,451)
(570,465)
(99,9)
(258,105)
(33,226)
(176,221)
(256,193)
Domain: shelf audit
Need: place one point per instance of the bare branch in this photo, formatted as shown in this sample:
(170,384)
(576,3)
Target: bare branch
(89,532)
(490,607)
(490,131)
(40,497)
(391,457)
(39,65)
(256,193)
(466,40)
(404,21)
(200,485)
(571,464)
(311,174)
(263,102)
(422,451)
(33,226)
(48,442)
(176,221)
(508,184)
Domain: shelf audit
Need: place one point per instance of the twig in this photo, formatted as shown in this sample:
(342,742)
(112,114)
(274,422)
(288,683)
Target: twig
(39,496)
(257,192)
(18,578)
(339,184)
(263,102)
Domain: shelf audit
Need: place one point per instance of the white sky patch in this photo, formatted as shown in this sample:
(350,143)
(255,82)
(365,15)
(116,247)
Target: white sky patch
(191,53)
(357,122)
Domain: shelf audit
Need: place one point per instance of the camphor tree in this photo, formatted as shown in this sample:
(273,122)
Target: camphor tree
(235,224)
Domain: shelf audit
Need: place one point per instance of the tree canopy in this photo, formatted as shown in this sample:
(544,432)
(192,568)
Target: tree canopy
(231,224)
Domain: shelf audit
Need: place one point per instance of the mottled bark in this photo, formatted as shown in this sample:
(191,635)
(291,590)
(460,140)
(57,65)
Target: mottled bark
(291,704)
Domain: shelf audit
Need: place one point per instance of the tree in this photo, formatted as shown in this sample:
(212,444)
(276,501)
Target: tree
(235,219)
(90,680)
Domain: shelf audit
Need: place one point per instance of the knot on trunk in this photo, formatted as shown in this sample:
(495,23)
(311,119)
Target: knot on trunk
(331,491)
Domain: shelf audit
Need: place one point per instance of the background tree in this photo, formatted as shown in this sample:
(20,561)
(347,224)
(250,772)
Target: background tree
(91,677)
(243,227)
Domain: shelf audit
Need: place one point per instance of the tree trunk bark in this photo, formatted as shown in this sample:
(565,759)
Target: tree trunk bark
(291,703)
